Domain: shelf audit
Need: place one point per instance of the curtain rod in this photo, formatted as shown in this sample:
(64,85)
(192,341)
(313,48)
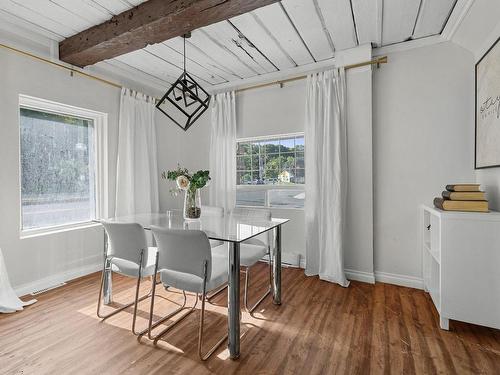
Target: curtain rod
(377,61)
(71,69)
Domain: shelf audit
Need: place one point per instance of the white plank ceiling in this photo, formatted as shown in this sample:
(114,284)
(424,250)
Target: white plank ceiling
(278,37)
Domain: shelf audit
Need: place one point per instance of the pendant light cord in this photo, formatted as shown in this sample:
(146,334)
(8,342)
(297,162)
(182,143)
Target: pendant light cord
(184,54)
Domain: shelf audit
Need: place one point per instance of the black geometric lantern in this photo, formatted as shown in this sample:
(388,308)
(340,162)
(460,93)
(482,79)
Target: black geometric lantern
(185,101)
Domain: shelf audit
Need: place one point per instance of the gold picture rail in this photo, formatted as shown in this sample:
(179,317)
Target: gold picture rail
(377,61)
(71,69)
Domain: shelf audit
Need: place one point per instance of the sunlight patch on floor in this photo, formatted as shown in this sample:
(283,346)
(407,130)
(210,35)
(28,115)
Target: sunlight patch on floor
(165,345)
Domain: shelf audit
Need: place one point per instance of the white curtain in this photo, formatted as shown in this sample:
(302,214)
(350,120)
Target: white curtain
(9,302)
(223,151)
(137,172)
(326,175)
(101,163)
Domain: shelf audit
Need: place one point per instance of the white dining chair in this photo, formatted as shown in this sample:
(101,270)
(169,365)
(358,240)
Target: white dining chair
(127,254)
(252,251)
(213,211)
(184,261)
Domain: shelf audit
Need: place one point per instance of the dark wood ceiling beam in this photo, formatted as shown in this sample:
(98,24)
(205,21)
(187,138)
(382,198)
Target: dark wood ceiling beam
(151,22)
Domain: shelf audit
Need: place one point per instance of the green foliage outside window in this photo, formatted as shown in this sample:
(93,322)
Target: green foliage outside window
(272,161)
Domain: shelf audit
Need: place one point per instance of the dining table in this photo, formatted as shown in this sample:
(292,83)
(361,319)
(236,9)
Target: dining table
(233,229)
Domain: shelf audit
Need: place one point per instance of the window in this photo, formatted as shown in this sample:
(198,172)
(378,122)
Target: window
(270,172)
(57,155)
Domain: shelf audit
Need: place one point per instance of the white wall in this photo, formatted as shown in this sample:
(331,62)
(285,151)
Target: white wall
(170,152)
(66,254)
(274,110)
(423,139)
(359,222)
(478,32)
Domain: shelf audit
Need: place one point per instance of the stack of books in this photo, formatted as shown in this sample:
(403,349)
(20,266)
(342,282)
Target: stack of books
(462,197)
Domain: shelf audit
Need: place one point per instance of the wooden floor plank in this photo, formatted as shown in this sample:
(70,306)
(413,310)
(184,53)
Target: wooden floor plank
(320,328)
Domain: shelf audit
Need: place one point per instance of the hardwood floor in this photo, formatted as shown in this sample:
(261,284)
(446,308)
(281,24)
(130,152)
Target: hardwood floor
(321,328)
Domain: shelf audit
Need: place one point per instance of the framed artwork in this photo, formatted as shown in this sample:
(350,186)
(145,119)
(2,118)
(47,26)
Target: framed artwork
(487,113)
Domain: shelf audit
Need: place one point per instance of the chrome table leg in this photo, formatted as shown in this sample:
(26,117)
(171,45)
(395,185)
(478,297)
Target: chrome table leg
(233,300)
(277,267)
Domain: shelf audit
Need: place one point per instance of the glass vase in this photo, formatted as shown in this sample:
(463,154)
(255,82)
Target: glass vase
(192,204)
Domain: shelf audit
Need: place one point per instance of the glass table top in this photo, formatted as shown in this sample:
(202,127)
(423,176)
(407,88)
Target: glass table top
(230,228)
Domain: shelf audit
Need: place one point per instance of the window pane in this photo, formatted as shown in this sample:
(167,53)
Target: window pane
(243,163)
(270,147)
(300,159)
(271,168)
(286,198)
(300,177)
(287,144)
(257,178)
(57,174)
(257,162)
(274,162)
(243,177)
(288,162)
(299,143)
(255,147)
(250,197)
(243,149)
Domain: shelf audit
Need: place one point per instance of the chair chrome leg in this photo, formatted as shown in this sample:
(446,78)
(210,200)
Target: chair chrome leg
(116,311)
(216,292)
(207,355)
(152,325)
(155,339)
(270,271)
(169,328)
(251,309)
(139,275)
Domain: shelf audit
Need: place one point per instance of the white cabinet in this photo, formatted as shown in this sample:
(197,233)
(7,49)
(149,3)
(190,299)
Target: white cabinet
(461,265)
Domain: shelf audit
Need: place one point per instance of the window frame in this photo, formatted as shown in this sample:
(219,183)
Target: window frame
(264,187)
(99,120)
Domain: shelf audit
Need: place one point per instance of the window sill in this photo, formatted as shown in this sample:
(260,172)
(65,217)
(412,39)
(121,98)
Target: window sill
(31,233)
(270,208)
(273,187)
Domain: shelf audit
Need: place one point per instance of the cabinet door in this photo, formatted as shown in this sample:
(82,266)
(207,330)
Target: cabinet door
(435,230)
(470,266)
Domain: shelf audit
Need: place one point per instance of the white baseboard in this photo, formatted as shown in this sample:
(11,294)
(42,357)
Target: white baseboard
(292,259)
(302,262)
(366,277)
(59,278)
(402,280)
(381,277)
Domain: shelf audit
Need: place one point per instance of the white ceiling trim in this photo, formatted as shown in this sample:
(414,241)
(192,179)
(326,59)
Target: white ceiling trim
(458,14)
(411,44)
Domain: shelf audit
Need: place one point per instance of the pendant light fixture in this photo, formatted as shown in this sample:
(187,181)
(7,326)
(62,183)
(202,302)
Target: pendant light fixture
(185,101)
